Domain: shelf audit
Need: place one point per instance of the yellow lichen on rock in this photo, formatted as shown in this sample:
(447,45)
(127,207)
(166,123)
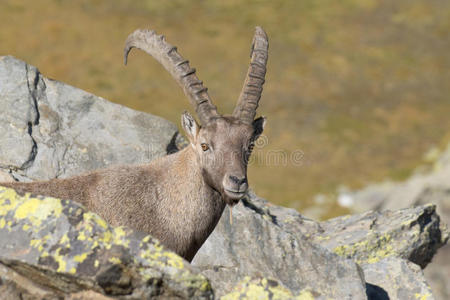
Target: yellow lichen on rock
(61,235)
(375,248)
(261,288)
(422,297)
(157,255)
(115,260)
(6,200)
(305,295)
(27,208)
(35,210)
(61,260)
(64,240)
(80,258)
(173,260)
(119,236)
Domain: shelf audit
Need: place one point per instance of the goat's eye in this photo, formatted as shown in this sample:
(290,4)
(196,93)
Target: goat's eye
(205,146)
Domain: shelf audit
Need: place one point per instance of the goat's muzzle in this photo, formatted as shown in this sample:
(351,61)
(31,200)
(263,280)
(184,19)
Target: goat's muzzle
(235,188)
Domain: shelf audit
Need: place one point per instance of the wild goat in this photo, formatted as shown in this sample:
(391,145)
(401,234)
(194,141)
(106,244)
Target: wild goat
(178,198)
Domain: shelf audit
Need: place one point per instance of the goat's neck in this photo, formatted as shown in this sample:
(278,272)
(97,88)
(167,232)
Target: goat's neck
(187,184)
(186,163)
(189,208)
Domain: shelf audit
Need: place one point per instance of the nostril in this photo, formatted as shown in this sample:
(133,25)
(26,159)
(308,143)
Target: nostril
(238,181)
(234,179)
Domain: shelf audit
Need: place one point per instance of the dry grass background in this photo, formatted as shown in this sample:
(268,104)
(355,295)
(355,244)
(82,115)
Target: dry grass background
(360,87)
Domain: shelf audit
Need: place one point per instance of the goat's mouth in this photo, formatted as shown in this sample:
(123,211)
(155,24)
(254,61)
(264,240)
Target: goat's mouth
(233,196)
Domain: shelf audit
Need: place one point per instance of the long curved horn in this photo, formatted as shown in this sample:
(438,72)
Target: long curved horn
(252,89)
(177,66)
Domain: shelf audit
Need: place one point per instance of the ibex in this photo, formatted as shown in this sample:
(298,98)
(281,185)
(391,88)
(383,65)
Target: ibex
(178,198)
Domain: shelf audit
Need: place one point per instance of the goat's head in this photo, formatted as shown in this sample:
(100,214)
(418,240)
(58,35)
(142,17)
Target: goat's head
(223,144)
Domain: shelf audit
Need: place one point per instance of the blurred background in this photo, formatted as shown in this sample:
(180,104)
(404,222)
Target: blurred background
(357,91)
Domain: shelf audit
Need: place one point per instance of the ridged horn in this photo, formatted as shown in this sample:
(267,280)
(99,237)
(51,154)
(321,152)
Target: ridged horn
(177,66)
(251,91)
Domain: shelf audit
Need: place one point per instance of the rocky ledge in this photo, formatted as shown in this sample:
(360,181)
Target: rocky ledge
(62,249)
(53,248)
(342,258)
(428,184)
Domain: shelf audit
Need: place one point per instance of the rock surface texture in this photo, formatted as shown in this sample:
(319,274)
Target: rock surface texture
(52,248)
(431,186)
(265,239)
(393,278)
(259,244)
(414,234)
(64,249)
(49,129)
(55,248)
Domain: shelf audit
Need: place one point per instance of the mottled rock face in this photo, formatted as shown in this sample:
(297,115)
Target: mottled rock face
(414,234)
(49,129)
(263,288)
(394,278)
(299,253)
(259,243)
(432,186)
(77,250)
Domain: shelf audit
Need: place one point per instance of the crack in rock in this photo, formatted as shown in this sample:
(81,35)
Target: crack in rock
(33,152)
(261,211)
(34,90)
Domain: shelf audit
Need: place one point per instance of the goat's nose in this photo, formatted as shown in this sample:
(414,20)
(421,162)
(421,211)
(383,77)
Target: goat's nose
(238,181)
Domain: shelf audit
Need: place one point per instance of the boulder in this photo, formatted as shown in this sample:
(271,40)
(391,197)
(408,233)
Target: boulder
(51,129)
(58,249)
(55,248)
(394,278)
(414,234)
(256,244)
(426,185)
(301,254)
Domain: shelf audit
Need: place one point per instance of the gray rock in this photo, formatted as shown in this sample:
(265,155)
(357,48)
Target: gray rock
(422,187)
(56,248)
(256,245)
(438,274)
(394,278)
(276,242)
(379,240)
(14,286)
(414,234)
(263,288)
(49,129)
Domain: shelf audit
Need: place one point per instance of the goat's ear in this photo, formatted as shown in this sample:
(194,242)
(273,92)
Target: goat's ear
(258,127)
(190,126)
